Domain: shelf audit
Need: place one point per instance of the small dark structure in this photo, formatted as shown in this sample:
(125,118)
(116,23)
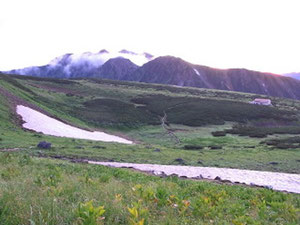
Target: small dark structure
(44,145)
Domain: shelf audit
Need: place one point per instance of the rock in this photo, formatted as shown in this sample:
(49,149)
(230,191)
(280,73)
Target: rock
(217,178)
(44,145)
(157,150)
(200,177)
(179,160)
(160,174)
(268,187)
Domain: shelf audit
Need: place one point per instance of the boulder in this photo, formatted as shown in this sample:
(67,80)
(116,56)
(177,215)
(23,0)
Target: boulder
(44,145)
(179,160)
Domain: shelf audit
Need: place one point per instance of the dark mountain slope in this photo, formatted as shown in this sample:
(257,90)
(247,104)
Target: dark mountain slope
(87,64)
(175,71)
(116,69)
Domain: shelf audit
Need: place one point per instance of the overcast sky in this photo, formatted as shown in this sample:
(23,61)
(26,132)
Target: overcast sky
(255,34)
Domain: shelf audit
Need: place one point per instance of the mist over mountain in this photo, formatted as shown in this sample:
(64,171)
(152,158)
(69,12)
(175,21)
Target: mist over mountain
(131,66)
(80,65)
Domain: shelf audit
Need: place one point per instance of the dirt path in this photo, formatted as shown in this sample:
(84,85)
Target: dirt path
(168,131)
(272,180)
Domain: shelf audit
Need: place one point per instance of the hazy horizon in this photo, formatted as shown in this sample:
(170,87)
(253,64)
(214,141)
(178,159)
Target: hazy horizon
(256,35)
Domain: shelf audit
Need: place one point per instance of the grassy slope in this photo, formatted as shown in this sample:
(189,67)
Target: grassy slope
(34,190)
(60,99)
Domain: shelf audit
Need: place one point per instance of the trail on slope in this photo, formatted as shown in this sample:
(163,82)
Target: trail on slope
(164,126)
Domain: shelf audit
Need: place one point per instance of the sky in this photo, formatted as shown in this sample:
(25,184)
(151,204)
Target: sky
(262,35)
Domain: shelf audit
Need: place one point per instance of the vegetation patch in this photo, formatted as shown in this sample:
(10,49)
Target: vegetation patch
(284,143)
(112,112)
(193,147)
(192,111)
(91,194)
(261,132)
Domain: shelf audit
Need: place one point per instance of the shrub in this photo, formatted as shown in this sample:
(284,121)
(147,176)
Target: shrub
(193,147)
(87,214)
(218,133)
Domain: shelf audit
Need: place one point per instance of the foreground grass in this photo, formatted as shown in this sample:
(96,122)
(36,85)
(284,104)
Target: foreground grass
(44,191)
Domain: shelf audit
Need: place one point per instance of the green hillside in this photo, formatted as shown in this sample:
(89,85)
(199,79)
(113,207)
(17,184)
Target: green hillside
(166,123)
(193,121)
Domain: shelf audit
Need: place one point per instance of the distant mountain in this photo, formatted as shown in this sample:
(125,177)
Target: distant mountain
(293,75)
(116,69)
(81,65)
(172,70)
(131,66)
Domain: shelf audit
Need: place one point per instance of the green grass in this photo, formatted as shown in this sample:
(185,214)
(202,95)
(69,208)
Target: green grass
(36,190)
(44,191)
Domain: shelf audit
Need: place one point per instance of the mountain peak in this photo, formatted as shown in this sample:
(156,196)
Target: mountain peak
(116,68)
(103,51)
(62,60)
(124,51)
(148,55)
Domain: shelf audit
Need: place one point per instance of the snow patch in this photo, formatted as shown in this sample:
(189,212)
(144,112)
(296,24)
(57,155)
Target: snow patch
(197,72)
(272,180)
(39,122)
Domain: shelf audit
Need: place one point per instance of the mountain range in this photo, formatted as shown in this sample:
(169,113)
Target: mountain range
(82,65)
(143,67)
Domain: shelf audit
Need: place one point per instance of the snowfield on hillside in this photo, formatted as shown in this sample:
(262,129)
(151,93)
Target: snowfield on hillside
(39,122)
(277,181)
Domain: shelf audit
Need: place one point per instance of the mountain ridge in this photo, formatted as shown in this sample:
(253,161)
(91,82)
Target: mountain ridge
(165,70)
(175,71)
(293,75)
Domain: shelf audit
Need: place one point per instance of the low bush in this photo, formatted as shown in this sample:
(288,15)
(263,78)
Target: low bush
(261,132)
(218,133)
(192,147)
(284,143)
